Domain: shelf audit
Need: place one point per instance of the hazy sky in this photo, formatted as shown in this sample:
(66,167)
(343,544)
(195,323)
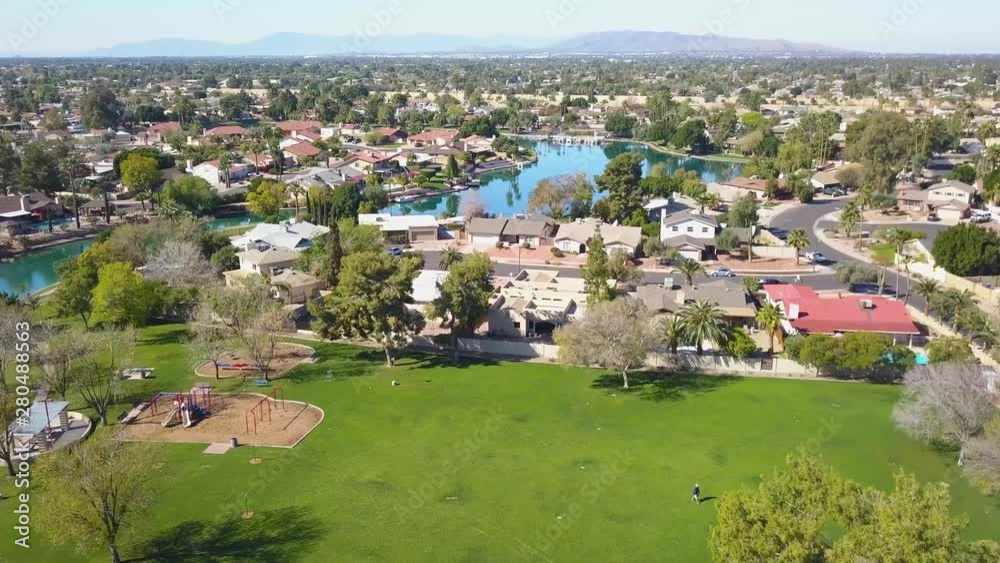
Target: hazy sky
(73,26)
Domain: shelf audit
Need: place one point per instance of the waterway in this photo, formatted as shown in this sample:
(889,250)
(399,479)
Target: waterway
(506,192)
(503,193)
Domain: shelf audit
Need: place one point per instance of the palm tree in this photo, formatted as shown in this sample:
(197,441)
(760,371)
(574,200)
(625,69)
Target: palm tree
(798,240)
(225,161)
(850,216)
(689,269)
(68,165)
(703,321)
(864,199)
(752,285)
(905,260)
(769,318)
(927,288)
(672,335)
(296,190)
(449,257)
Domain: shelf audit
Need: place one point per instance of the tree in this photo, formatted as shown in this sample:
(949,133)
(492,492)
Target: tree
(743,213)
(99,108)
(950,350)
(982,458)
(267,200)
(728,240)
(53,121)
(622,269)
(208,341)
(927,288)
(193,193)
(10,167)
(798,240)
(77,280)
(562,196)
(465,296)
(98,379)
(850,217)
(122,297)
(370,302)
(968,250)
(140,174)
(621,179)
(449,257)
(180,264)
(597,272)
(769,318)
(9,421)
(850,176)
(794,156)
(690,135)
(334,256)
(703,321)
(739,344)
(235,106)
(620,124)
(451,170)
(616,335)
(690,269)
(93,492)
(57,354)
(883,143)
(947,403)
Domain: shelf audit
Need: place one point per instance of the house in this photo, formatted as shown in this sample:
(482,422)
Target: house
(390,134)
(731,190)
(427,287)
(825,179)
(691,233)
(292,287)
(574,237)
(534,303)
(293,126)
(660,206)
(534,230)
(291,235)
(212,172)
(951,190)
(270,262)
(227,131)
(369,161)
(483,232)
(807,312)
(732,298)
(403,229)
(301,151)
(156,133)
(476,144)
(950,200)
(436,137)
(18,211)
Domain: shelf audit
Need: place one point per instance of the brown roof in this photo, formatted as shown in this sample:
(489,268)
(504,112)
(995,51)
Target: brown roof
(33,201)
(303,149)
(298,125)
(226,131)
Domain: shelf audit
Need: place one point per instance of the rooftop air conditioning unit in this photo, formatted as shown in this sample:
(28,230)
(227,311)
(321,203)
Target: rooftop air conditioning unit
(867,304)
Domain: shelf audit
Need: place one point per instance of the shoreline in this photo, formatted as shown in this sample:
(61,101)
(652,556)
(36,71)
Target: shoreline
(718,157)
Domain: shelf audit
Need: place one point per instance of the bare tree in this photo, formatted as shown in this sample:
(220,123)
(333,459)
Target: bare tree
(982,458)
(265,334)
(947,403)
(209,342)
(98,378)
(181,264)
(57,353)
(8,423)
(94,491)
(616,335)
(10,317)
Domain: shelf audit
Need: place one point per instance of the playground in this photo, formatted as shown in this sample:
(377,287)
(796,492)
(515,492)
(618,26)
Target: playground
(238,364)
(253,419)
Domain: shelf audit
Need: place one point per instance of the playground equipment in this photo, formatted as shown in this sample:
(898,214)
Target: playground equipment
(189,407)
(277,395)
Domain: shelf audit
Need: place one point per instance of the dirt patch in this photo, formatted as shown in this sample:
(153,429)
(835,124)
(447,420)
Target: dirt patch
(288,423)
(286,357)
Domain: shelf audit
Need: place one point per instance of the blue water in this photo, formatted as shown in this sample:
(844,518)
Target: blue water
(506,192)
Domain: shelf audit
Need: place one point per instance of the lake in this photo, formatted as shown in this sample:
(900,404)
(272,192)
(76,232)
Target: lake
(506,192)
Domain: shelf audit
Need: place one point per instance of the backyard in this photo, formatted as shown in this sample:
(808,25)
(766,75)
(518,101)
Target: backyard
(498,462)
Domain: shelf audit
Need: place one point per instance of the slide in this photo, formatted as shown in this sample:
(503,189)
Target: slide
(170,417)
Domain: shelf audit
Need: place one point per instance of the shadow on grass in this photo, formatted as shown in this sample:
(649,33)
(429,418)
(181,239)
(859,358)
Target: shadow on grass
(445,359)
(277,536)
(160,336)
(659,386)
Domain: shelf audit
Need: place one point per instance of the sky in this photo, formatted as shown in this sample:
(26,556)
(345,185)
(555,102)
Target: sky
(49,27)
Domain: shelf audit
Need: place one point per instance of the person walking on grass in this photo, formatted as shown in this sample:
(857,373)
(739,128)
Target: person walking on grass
(695,493)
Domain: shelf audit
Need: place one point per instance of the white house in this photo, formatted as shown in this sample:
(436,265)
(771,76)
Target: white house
(484,233)
(692,234)
(950,191)
(270,262)
(402,229)
(574,237)
(212,173)
(289,235)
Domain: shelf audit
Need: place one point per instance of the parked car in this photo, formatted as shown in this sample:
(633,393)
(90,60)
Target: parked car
(981,216)
(722,273)
(834,192)
(770,281)
(395,251)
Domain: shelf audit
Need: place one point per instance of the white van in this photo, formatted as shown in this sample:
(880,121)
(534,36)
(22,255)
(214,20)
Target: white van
(981,216)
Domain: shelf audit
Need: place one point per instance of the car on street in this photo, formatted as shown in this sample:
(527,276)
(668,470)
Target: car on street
(816,258)
(834,192)
(395,251)
(722,273)
(770,281)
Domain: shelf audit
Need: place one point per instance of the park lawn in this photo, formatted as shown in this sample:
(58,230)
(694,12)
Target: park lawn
(502,462)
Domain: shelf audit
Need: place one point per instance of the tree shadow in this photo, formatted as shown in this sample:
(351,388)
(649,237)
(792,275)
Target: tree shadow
(157,338)
(277,536)
(659,386)
(446,359)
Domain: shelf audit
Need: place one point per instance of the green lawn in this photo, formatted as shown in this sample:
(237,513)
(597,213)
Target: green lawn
(884,253)
(502,462)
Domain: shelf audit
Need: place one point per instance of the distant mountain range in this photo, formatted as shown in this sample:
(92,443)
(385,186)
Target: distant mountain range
(602,43)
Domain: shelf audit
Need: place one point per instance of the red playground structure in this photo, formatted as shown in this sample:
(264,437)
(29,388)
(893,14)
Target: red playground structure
(258,411)
(188,407)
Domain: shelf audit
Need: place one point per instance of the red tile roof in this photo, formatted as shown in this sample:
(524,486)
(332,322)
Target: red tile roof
(226,131)
(433,135)
(164,126)
(300,125)
(389,131)
(843,314)
(303,149)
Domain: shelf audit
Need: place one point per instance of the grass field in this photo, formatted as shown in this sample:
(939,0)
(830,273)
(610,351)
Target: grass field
(501,462)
